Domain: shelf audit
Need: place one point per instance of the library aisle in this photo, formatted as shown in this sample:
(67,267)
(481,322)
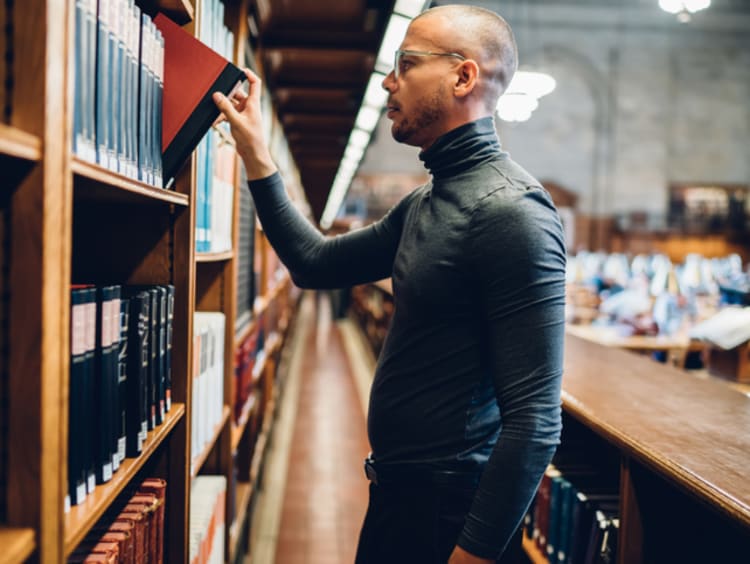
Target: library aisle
(314,493)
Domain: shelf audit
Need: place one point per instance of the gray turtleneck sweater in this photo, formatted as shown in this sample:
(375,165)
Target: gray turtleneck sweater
(469,375)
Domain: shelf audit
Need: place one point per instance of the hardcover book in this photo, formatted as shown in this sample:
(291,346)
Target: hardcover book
(192,73)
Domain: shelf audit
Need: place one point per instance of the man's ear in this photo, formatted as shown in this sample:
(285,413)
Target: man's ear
(468,75)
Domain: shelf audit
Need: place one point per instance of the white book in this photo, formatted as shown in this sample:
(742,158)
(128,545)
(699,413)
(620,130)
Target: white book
(727,329)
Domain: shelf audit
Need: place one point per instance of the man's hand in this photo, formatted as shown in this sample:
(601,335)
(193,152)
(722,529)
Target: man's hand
(460,556)
(243,113)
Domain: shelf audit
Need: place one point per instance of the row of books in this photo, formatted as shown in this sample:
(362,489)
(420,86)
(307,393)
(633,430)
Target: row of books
(248,257)
(208,378)
(118,87)
(206,528)
(215,157)
(129,534)
(214,192)
(248,362)
(120,377)
(574,516)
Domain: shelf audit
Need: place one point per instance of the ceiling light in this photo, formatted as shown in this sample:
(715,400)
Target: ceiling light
(523,93)
(359,139)
(683,8)
(354,152)
(409,8)
(394,35)
(367,118)
(375,95)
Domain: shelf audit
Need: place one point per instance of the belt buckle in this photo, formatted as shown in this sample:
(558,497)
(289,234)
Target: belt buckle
(370,472)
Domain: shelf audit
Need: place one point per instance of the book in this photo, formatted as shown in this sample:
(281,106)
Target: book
(139,337)
(192,73)
(727,329)
(168,355)
(77,474)
(105,377)
(122,379)
(158,488)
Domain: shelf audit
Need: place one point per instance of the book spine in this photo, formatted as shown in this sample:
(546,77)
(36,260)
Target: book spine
(168,363)
(159,61)
(142,99)
(102,94)
(76,465)
(162,353)
(112,70)
(102,387)
(89,408)
(114,369)
(122,380)
(153,369)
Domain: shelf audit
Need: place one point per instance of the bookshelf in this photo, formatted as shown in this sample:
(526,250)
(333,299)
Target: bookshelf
(66,220)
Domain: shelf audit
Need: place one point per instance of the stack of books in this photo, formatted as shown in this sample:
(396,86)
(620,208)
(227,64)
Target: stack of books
(120,377)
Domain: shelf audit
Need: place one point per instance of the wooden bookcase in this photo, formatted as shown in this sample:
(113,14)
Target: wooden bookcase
(66,220)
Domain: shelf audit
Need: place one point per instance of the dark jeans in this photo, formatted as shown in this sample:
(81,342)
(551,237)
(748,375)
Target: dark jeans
(407,525)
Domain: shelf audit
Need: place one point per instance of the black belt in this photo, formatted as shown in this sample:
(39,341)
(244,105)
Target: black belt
(412,475)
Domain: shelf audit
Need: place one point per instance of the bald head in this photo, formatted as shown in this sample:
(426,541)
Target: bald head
(481,35)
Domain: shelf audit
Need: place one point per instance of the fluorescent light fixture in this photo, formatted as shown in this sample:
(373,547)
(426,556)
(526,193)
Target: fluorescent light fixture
(408,8)
(367,118)
(354,152)
(394,35)
(373,102)
(682,6)
(359,139)
(375,95)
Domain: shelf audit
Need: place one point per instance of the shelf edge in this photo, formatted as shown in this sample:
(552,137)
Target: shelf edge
(246,490)
(18,544)
(200,460)
(115,181)
(16,143)
(83,517)
(239,429)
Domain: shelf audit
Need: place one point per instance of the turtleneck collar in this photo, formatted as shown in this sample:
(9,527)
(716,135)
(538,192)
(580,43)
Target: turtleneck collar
(462,148)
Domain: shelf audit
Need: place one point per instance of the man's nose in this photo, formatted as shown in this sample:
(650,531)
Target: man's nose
(389,82)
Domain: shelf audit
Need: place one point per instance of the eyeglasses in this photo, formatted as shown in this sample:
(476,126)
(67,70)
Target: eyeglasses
(399,65)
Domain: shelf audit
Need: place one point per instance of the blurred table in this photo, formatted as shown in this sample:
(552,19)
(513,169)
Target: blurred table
(675,346)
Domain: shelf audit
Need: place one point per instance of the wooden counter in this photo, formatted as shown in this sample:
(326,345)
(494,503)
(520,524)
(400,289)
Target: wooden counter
(685,447)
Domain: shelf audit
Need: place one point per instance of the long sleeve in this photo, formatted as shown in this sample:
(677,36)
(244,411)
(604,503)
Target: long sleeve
(316,261)
(520,264)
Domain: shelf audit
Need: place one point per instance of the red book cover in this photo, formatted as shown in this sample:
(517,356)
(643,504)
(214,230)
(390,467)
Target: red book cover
(192,73)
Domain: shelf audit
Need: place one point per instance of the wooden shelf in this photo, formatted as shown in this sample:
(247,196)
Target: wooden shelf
(533,552)
(240,337)
(239,428)
(82,517)
(17,545)
(260,365)
(244,493)
(197,464)
(18,144)
(94,182)
(273,342)
(214,257)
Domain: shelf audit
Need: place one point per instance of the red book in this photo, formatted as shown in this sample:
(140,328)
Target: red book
(192,73)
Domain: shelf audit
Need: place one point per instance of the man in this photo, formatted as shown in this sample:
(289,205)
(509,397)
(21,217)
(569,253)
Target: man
(465,405)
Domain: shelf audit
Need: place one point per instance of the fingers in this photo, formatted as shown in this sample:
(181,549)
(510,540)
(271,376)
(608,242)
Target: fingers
(226,107)
(255,84)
